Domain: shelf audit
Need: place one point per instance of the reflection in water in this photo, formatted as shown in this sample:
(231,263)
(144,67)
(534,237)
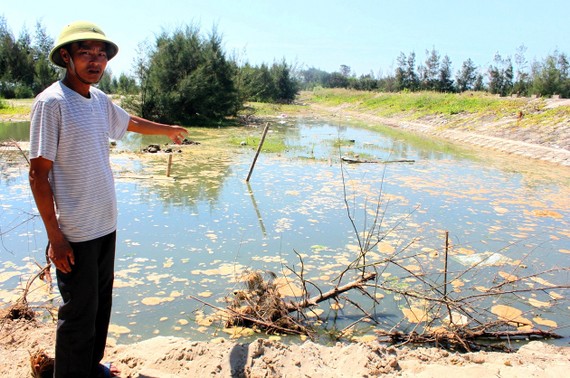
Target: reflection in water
(18,131)
(261,225)
(195,232)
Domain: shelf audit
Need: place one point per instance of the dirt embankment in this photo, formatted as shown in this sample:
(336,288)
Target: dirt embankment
(548,142)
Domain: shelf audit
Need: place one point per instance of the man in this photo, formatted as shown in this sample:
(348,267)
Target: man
(72,184)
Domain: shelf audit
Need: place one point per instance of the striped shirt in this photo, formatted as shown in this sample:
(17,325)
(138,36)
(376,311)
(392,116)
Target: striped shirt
(73,132)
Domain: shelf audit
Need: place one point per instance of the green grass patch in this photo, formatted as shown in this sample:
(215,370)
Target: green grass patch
(546,117)
(343,143)
(417,104)
(17,108)
(10,111)
(262,109)
(270,144)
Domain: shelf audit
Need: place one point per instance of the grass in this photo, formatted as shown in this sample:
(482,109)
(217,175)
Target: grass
(270,145)
(545,117)
(418,104)
(455,108)
(265,109)
(343,143)
(17,108)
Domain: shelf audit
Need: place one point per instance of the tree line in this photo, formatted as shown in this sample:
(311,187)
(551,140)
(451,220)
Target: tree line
(25,69)
(503,77)
(185,76)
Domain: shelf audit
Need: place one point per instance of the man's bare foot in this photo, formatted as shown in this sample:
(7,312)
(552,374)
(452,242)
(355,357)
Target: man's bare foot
(108,370)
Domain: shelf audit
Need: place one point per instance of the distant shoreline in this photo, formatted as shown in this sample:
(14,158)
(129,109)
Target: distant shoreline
(528,142)
(474,137)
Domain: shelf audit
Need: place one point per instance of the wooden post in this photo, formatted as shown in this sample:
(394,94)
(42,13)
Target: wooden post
(258,151)
(445,277)
(169,165)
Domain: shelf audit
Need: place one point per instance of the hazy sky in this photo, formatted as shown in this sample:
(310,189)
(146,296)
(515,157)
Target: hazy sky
(365,35)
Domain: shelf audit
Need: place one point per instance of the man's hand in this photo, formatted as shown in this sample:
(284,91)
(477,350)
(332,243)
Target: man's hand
(146,127)
(59,250)
(61,254)
(177,134)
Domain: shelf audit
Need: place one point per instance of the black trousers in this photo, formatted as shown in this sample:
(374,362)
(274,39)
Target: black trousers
(83,318)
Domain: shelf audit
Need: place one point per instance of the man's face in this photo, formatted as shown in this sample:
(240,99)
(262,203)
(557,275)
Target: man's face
(88,60)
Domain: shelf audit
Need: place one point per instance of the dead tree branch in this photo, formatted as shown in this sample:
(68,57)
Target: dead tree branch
(331,293)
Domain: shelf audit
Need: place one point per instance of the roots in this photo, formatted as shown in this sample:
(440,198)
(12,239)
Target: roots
(260,305)
(20,310)
(41,364)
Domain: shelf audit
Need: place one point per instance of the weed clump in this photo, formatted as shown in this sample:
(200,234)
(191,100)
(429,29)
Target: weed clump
(260,305)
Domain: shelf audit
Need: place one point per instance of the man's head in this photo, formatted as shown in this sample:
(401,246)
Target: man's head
(80,31)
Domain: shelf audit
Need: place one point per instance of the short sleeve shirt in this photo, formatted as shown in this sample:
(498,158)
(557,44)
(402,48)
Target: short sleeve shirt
(74,132)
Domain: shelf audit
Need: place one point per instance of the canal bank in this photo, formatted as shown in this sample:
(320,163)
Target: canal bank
(550,144)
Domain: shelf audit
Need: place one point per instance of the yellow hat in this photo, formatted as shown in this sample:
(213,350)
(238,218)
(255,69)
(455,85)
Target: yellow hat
(81,31)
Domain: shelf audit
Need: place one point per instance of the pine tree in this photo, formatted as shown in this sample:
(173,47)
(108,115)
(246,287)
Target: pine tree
(188,78)
(466,77)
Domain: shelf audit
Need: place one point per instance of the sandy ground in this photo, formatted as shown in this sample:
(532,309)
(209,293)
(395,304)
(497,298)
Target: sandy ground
(167,357)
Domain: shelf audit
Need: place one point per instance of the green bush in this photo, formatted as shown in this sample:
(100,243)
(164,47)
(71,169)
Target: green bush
(188,79)
(23,91)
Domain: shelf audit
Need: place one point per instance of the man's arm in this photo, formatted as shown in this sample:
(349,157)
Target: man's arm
(59,251)
(146,127)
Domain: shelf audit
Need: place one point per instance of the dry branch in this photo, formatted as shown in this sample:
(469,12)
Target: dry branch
(518,334)
(361,161)
(21,309)
(262,324)
(260,304)
(331,293)
(463,338)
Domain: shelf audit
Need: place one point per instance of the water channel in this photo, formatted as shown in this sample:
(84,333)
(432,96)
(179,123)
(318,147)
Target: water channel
(192,234)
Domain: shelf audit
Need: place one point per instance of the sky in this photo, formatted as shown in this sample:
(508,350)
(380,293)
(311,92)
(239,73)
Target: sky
(365,35)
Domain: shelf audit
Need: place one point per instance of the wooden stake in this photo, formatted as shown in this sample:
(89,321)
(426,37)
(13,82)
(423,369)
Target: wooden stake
(169,165)
(445,277)
(258,151)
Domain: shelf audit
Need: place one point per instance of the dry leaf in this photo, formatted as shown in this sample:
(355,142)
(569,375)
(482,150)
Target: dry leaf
(508,277)
(385,247)
(545,322)
(542,281)
(116,329)
(555,295)
(537,303)
(154,301)
(546,213)
(287,288)
(415,315)
(510,314)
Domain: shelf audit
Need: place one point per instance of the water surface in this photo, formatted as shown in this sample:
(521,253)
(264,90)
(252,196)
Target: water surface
(194,233)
